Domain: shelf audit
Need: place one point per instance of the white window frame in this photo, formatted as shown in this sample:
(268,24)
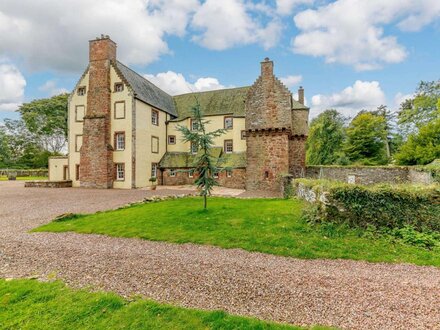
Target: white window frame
(120,172)
(119,87)
(172,173)
(154,167)
(194,125)
(228,126)
(215,175)
(193,151)
(171,137)
(229,173)
(81,91)
(120,144)
(191,174)
(154,117)
(226,146)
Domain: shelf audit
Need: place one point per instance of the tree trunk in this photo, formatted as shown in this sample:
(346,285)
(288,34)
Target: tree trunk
(205,201)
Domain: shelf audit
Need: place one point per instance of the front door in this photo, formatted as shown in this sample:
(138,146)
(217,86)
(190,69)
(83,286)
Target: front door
(65,172)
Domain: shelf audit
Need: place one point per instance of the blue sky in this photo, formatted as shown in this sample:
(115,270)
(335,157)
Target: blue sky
(348,54)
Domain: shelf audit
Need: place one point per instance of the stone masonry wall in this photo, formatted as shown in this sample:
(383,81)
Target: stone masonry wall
(181,178)
(297,156)
(363,174)
(267,160)
(96,164)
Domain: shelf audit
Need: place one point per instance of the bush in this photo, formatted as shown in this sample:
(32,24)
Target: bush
(381,206)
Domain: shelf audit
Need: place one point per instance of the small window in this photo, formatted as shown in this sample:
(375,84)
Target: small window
(229,122)
(79,113)
(77,172)
(120,110)
(194,148)
(191,174)
(229,146)
(194,125)
(78,142)
(120,140)
(154,144)
(243,135)
(215,175)
(155,117)
(81,91)
(229,174)
(119,87)
(171,139)
(120,172)
(154,170)
(172,173)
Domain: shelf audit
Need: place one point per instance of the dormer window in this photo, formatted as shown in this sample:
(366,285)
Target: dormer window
(81,91)
(119,87)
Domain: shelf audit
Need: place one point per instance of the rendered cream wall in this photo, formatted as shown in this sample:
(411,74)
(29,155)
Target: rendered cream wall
(216,122)
(75,128)
(56,168)
(144,132)
(122,125)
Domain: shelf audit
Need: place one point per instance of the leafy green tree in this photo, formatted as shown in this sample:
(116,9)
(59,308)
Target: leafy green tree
(326,137)
(422,147)
(366,137)
(205,164)
(46,119)
(5,151)
(424,107)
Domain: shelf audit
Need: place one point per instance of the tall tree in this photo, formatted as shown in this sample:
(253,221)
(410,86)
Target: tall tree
(366,137)
(205,164)
(424,107)
(326,137)
(422,147)
(47,120)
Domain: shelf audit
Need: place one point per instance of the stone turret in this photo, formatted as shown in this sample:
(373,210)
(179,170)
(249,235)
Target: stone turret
(96,164)
(275,132)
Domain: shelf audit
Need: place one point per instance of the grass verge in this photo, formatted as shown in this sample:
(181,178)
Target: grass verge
(265,225)
(25,178)
(29,304)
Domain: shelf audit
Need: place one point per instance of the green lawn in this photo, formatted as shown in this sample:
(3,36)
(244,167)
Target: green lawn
(25,178)
(265,225)
(29,304)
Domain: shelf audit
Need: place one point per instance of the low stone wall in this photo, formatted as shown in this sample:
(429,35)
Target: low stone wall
(237,180)
(369,174)
(23,173)
(48,184)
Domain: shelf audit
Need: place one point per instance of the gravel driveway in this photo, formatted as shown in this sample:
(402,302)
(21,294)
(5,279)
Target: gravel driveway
(346,294)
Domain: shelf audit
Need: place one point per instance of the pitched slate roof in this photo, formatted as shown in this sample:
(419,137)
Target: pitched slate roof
(217,102)
(146,91)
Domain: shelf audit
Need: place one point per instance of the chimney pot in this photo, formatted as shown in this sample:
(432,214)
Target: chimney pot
(267,67)
(301,95)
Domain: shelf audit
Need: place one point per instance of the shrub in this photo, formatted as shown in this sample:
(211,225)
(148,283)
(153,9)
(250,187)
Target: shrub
(380,206)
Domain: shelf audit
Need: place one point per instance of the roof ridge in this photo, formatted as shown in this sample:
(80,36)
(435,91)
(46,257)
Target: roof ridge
(141,76)
(213,90)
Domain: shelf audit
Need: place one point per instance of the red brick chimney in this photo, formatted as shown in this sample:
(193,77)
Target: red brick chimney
(96,164)
(267,68)
(301,95)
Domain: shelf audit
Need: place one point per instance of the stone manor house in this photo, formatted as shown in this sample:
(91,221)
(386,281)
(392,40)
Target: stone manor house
(123,130)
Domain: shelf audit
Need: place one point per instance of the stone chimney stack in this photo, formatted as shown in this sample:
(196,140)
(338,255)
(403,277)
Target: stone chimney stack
(266,68)
(96,162)
(301,95)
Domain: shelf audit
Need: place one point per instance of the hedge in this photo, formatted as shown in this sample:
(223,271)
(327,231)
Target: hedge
(391,206)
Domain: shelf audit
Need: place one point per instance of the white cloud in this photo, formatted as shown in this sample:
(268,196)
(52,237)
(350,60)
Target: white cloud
(291,81)
(51,88)
(229,23)
(362,95)
(399,98)
(286,7)
(53,34)
(351,31)
(12,84)
(175,83)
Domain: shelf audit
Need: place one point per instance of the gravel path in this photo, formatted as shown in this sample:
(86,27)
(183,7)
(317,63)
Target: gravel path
(347,294)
